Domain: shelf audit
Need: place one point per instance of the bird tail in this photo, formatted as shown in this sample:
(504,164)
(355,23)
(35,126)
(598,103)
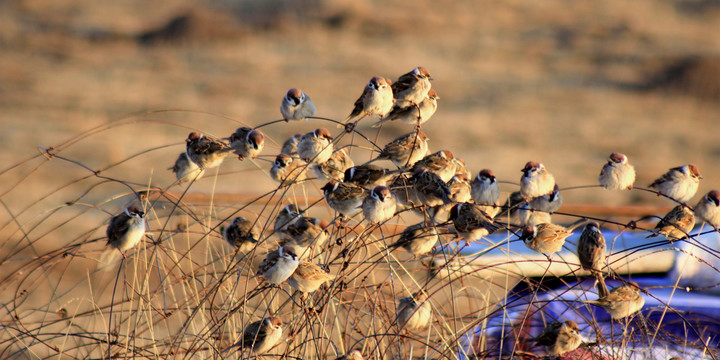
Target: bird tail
(380,122)
(108,259)
(602,288)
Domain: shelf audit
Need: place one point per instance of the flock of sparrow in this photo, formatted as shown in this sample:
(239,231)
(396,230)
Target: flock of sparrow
(436,185)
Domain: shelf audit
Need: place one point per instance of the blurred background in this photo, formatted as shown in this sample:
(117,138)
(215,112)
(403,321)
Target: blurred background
(563,83)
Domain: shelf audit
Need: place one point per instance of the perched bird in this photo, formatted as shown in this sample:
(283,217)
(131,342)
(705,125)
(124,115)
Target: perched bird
(316,146)
(287,169)
(485,188)
(511,206)
(545,238)
(526,216)
(368,176)
(186,170)
(535,181)
(676,224)
(548,203)
(441,163)
(247,142)
(560,338)
(379,205)
(306,232)
(405,150)
(286,217)
(261,336)
(430,189)
(241,234)
(417,239)
(404,192)
(485,191)
(334,168)
(206,153)
(680,183)
(343,197)
(289,147)
(708,208)
(278,265)
(411,114)
(376,99)
(621,302)
(460,189)
(126,229)
(413,87)
(352,355)
(617,174)
(461,168)
(414,312)
(591,251)
(308,277)
(296,105)
(471,223)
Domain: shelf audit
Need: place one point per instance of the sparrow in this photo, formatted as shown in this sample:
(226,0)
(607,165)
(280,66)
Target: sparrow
(262,335)
(405,150)
(680,183)
(528,216)
(460,189)
(286,217)
(289,147)
(376,99)
(404,192)
(379,205)
(461,168)
(512,204)
(617,174)
(417,239)
(676,224)
(441,163)
(535,181)
(430,189)
(708,208)
(411,114)
(247,142)
(288,169)
(413,312)
(308,277)
(334,168)
(591,251)
(449,269)
(560,338)
(545,238)
(471,223)
(352,355)
(206,153)
(548,203)
(621,302)
(278,265)
(343,197)
(316,146)
(186,170)
(413,87)
(368,176)
(485,188)
(305,233)
(241,234)
(126,229)
(296,105)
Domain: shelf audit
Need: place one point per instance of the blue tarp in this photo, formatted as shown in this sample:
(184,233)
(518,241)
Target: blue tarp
(673,322)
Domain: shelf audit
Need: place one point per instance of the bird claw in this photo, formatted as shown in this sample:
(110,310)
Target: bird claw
(349,127)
